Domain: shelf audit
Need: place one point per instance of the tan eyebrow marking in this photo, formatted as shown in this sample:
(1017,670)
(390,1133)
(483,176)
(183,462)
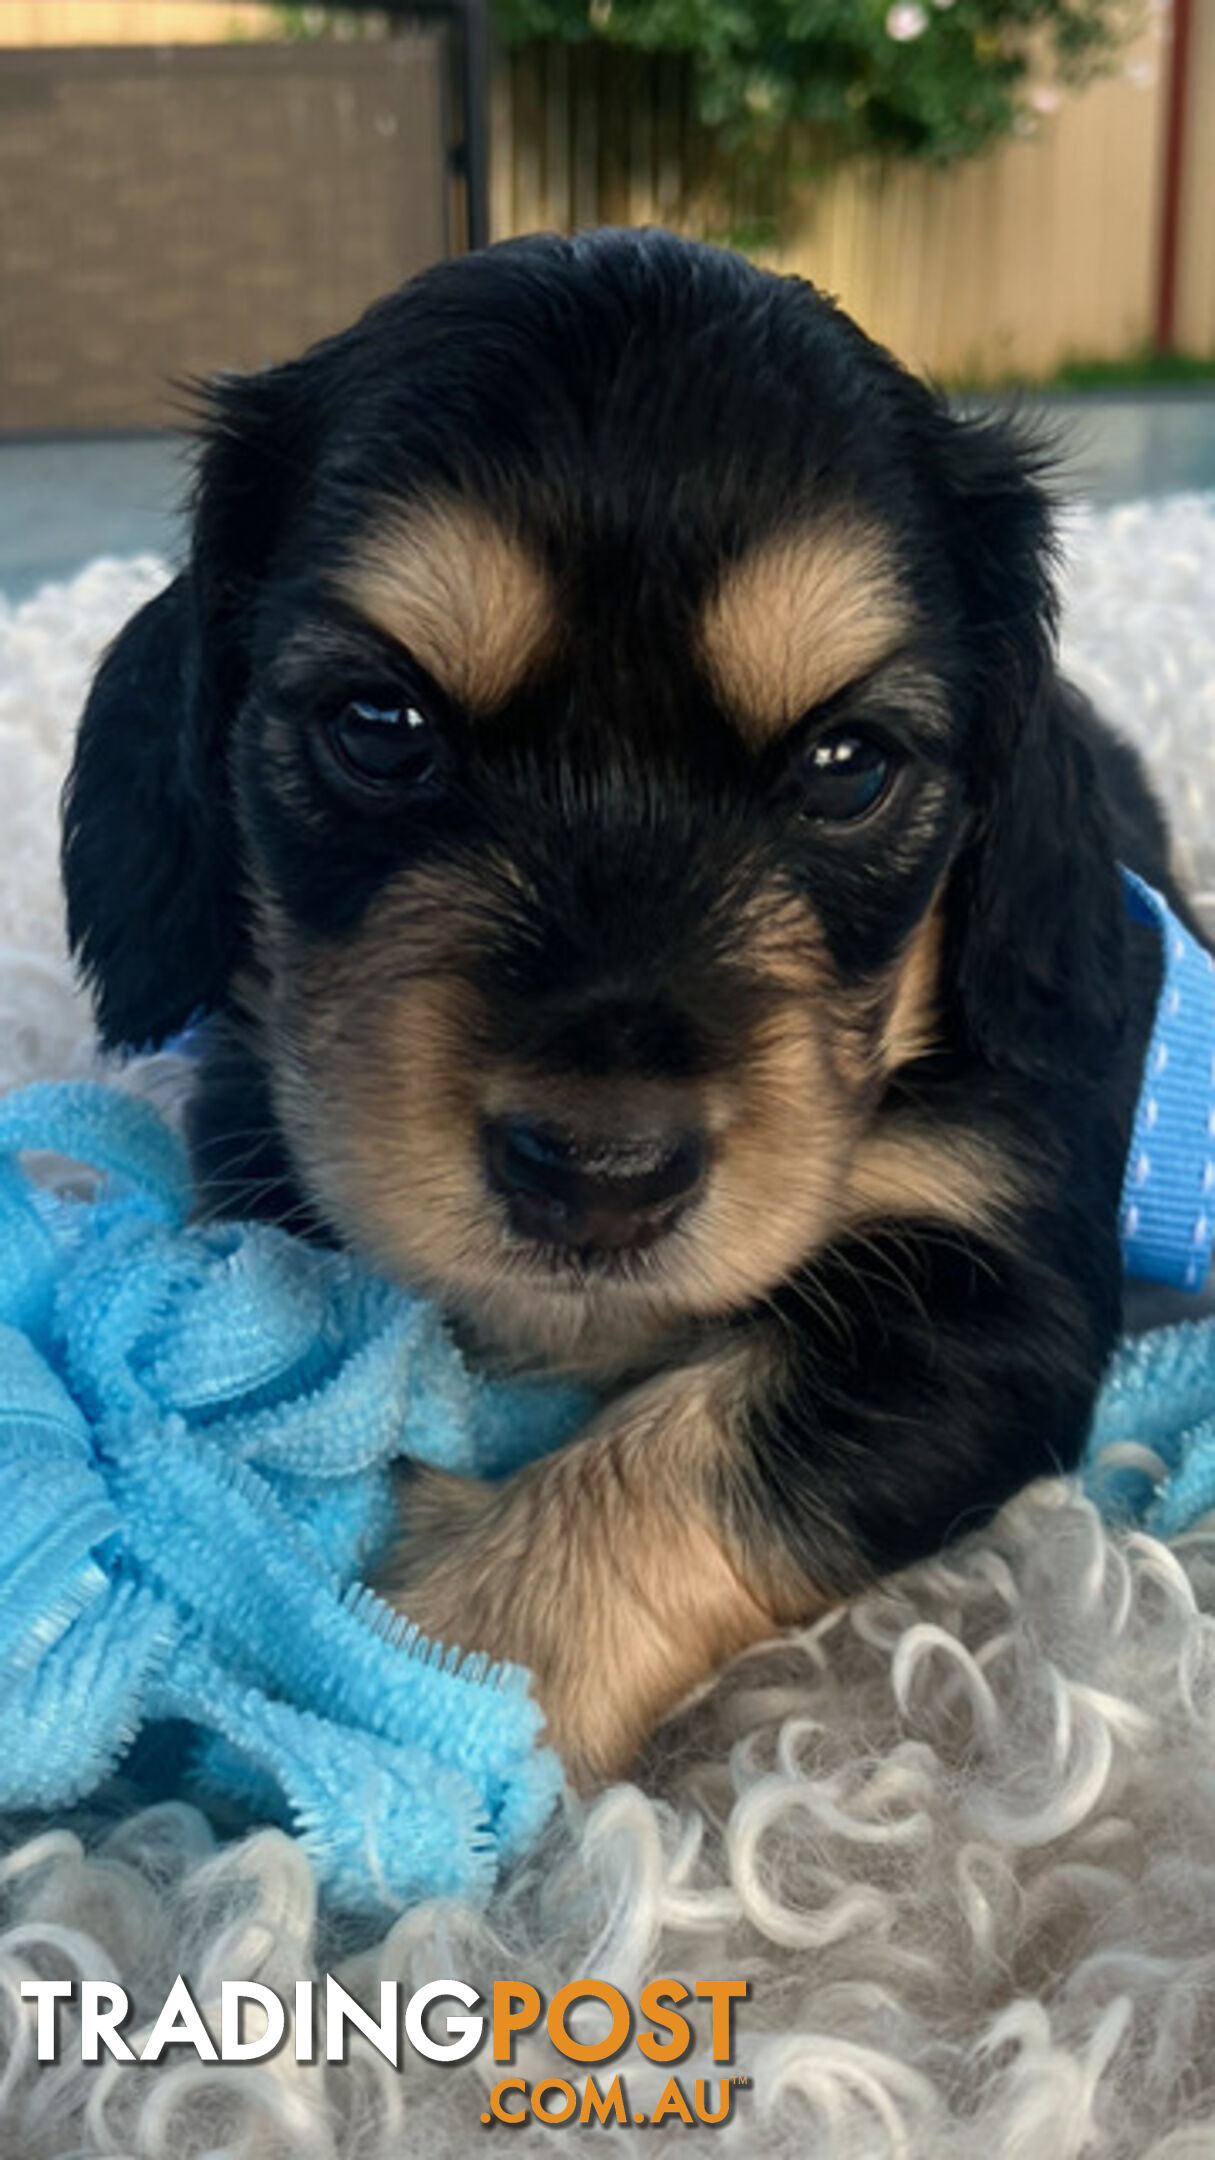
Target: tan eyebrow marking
(798,618)
(468,599)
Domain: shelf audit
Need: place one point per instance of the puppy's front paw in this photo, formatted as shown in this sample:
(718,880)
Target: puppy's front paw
(601,1568)
(438,1571)
(477,1565)
(437,1510)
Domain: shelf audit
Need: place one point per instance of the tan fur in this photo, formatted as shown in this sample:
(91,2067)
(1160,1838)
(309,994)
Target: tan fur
(605,1569)
(384,1114)
(774,1195)
(904,1171)
(891,1020)
(799,618)
(387,1151)
(382,1085)
(461,594)
(910,1026)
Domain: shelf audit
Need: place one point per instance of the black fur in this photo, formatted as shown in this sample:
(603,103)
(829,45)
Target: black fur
(644,410)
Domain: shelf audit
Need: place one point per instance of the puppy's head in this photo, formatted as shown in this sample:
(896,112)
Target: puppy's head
(603,732)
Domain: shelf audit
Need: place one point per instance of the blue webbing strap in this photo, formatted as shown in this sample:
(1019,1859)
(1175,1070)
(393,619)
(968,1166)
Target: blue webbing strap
(1168,1192)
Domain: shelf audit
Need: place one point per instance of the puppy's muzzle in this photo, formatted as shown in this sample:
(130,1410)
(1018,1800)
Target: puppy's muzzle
(595,1193)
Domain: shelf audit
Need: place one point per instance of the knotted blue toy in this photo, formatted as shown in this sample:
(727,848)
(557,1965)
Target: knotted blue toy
(196,1432)
(196,1427)
(1150,1457)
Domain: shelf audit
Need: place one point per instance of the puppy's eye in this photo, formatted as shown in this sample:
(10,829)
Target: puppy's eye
(386,747)
(845,774)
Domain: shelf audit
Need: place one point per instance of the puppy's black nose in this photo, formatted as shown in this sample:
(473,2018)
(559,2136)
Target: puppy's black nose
(607,1193)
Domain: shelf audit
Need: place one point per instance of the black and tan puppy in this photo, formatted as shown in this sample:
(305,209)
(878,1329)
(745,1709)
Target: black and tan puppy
(604,768)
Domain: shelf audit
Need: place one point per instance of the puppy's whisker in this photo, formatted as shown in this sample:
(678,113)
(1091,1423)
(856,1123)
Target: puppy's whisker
(227,1170)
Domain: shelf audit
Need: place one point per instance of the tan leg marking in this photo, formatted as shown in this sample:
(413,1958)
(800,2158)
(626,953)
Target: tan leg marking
(605,1568)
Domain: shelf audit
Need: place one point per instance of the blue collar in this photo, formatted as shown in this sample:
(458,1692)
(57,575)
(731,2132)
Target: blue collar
(1167,1211)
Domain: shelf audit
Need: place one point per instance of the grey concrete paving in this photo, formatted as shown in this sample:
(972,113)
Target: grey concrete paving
(65,500)
(1135,444)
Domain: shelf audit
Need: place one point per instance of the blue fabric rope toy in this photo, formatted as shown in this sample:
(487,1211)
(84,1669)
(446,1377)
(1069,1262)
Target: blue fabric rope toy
(196,1428)
(197,1424)
(1150,1457)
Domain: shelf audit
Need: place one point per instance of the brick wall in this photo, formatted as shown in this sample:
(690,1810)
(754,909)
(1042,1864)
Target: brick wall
(168,212)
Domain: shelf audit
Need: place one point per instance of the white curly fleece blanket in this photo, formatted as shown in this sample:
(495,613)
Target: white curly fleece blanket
(960,1840)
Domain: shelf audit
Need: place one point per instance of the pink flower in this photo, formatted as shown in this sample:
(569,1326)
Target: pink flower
(906,20)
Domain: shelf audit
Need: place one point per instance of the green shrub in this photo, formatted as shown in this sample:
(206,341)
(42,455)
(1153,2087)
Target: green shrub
(929,79)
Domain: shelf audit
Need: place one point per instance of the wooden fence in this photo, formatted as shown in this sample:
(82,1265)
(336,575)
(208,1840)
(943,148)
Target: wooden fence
(166,212)
(1045,249)
(135,22)
(1196,288)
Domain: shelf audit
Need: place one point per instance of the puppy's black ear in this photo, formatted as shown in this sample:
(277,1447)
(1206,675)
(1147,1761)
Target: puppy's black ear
(1037,917)
(146,844)
(1035,920)
(149,850)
